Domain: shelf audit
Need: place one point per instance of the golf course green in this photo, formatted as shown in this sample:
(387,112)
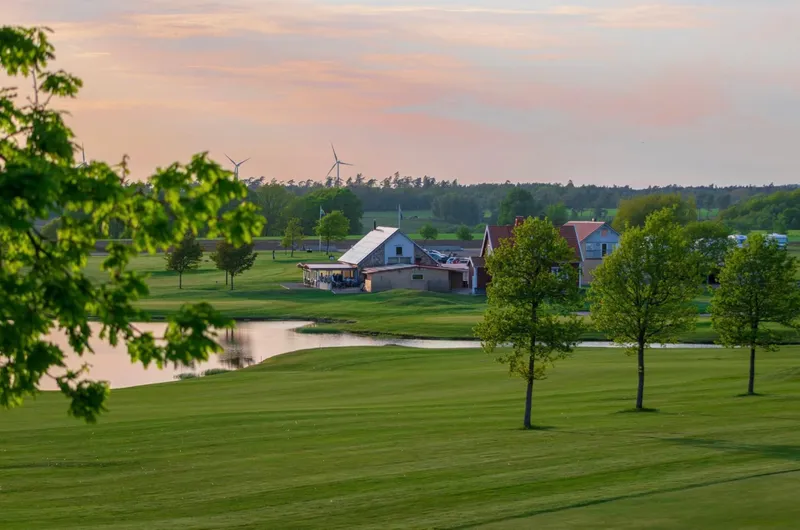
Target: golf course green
(262,293)
(403,438)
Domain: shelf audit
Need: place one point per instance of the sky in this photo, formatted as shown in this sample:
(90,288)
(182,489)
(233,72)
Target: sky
(598,92)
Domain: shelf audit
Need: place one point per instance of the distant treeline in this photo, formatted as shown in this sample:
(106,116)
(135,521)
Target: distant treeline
(743,207)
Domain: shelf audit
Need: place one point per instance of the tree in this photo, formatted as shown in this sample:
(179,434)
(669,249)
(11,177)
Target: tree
(635,211)
(428,232)
(46,284)
(518,201)
(233,259)
(463,233)
(757,287)
(292,234)
(642,293)
(332,227)
(533,288)
(184,256)
(558,214)
(330,199)
(455,207)
(711,242)
(273,200)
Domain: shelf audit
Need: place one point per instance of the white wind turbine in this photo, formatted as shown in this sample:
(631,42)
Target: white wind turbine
(83,157)
(336,165)
(236,166)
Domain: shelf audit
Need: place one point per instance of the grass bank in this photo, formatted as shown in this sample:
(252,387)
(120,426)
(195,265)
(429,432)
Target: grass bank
(392,437)
(260,294)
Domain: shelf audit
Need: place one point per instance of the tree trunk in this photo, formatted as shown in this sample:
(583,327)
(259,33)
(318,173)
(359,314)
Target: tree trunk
(231,282)
(640,391)
(226,277)
(751,384)
(529,395)
(180,280)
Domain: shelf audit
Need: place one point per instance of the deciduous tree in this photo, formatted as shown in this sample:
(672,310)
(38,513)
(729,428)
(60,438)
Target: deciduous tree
(234,259)
(428,232)
(292,234)
(635,211)
(711,242)
(533,287)
(332,227)
(45,282)
(757,288)
(643,292)
(184,256)
(558,214)
(463,233)
(518,201)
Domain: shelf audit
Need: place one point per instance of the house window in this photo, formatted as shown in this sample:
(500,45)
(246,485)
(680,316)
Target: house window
(398,251)
(555,270)
(417,277)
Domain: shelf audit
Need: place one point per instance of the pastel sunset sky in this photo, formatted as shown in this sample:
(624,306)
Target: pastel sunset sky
(603,91)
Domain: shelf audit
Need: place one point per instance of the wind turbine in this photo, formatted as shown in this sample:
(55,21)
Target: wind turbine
(83,156)
(236,166)
(336,165)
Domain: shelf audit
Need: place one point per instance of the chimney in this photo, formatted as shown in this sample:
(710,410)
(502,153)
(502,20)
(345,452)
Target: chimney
(374,224)
(519,220)
(594,219)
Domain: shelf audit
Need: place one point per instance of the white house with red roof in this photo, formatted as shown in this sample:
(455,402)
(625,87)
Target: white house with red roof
(597,240)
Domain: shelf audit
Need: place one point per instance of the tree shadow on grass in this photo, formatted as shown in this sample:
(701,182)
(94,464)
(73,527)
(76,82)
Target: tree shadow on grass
(754,395)
(785,452)
(533,428)
(644,410)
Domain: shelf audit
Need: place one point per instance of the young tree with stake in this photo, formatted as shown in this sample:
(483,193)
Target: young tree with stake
(757,287)
(233,259)
(534,286)
(184,256)
(643,293)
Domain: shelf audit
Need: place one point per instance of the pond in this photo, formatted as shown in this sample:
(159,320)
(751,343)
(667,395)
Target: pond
(248,344)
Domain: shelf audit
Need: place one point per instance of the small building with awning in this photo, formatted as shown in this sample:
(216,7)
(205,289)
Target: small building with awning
(330,276)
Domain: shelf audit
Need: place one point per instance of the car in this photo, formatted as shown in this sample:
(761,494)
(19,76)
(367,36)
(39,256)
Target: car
(453,261)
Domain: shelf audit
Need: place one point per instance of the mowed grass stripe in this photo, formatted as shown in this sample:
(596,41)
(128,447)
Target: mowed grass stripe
(401,438)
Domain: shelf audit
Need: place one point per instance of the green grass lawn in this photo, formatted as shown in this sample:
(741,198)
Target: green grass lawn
(401,438)
(259,294)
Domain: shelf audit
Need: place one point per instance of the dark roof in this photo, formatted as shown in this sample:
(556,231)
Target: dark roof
(496,233)
(477,261)
(570,233)
(567,231)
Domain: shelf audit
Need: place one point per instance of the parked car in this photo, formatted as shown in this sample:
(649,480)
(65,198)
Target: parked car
(454,260)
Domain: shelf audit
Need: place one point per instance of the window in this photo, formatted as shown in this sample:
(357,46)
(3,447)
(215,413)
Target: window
(417,277)
(398,251)
(604,249)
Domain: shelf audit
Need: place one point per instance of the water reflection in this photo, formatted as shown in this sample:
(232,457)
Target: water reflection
(249,343)
(238,349)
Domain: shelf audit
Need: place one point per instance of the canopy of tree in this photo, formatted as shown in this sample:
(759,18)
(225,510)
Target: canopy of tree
(518,201)
(533,288)
(332,227)
(635,211)
(45,284)
(779,211)
(234,259)
(457,208)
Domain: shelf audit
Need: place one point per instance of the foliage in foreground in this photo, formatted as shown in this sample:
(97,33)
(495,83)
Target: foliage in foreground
(43,285)
(642,293)
(533,287)
(757,287)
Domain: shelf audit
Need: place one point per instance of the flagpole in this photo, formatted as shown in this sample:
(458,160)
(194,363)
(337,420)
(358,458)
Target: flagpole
(398,217)
(320,235)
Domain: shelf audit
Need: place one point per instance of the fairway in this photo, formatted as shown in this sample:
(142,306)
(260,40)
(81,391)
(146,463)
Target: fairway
(401,438)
